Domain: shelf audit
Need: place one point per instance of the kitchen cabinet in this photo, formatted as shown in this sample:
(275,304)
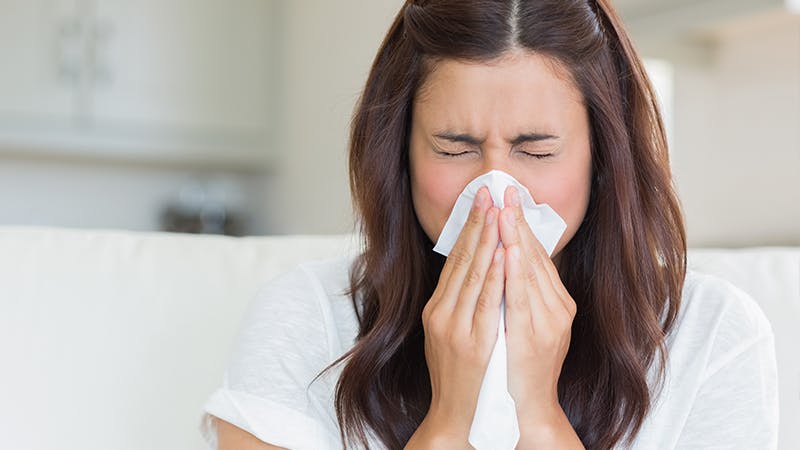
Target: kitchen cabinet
(179,82)
(30,86)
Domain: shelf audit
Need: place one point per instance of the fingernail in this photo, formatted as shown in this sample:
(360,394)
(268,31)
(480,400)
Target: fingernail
(490,216)
(480,199)
(514,196)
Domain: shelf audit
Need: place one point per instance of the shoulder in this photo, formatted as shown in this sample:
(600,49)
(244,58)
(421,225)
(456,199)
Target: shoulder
(275,381)
(306,284)
(288,331)
(308,304)
(721,371)
(708,297)
(717,321)
(331,275)
(321,272)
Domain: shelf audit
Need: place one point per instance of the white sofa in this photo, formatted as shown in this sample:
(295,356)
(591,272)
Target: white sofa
(114,339)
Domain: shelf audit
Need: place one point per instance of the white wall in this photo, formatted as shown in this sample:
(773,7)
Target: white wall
(328,50)
(736,148)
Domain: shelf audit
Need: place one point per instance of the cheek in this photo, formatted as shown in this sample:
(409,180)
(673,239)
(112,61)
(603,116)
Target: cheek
(567,192)
(434,191)
(567,196)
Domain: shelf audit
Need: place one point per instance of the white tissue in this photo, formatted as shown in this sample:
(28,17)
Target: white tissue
(495,425)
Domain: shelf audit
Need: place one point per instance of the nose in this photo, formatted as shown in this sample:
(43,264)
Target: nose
(498,158)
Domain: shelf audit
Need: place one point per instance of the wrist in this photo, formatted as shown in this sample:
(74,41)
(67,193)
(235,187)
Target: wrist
(436,442)
(537,425)
(547,428)
(436,432)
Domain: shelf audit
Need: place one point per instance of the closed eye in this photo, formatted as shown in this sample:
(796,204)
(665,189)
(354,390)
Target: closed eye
(452,154)
(530,155)
(538,155)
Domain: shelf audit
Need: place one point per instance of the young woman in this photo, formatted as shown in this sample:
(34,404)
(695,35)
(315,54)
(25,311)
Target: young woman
(610,343)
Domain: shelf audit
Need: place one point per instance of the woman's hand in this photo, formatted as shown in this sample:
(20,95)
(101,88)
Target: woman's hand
(539,314)
(461,321)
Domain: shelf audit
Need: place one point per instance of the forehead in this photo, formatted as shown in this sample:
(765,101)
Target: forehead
(520,85)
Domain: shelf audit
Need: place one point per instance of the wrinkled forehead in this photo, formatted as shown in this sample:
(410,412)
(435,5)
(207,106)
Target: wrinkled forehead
(512,95)
(435,70)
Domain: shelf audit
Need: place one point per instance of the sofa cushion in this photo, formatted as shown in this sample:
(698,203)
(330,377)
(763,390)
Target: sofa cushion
(114,339)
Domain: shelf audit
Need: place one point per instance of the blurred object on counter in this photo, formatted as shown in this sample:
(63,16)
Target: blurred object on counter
(207,207)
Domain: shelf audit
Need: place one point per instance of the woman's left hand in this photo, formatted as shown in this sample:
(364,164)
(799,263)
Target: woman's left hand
(539,314)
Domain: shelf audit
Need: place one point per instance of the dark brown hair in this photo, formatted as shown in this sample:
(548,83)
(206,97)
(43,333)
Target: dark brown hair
(624,267)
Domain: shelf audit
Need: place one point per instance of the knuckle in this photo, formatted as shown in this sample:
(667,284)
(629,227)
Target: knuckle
(572,307)
(537,262)
(431,317)
(473,277)
(531,277)
(484,240)
(519,218)
(426,312)
(516,302)
(434,326)
(489,234)
(484,304)
(475,217)
(494,276)
(461,256)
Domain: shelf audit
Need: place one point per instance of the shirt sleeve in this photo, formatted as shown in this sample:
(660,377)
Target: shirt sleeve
(736,406)
(281,346)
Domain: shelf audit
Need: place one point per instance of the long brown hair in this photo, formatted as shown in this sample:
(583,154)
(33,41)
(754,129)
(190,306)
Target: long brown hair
(624,267)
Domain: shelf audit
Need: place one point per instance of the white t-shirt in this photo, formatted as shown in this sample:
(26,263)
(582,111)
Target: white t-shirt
(720,390)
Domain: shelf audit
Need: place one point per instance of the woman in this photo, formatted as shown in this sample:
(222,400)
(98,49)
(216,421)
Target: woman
(610,342)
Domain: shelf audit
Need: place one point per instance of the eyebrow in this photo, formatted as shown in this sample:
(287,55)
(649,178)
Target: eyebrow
(466,138)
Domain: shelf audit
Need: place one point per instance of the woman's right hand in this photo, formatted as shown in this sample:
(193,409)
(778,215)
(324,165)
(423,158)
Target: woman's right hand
(460,322)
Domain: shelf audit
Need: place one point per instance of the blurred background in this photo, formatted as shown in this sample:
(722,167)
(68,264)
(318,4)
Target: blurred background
(231,117)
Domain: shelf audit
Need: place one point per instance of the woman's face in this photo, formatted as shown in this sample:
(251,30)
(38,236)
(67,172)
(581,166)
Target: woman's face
(520,114)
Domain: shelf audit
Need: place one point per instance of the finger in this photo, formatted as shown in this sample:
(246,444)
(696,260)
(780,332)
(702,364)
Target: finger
(534,284)
(529,240)
(464,309)
(550,282)
(518,307)
(486,319)
(534,274)
(460,259)
(482,198)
